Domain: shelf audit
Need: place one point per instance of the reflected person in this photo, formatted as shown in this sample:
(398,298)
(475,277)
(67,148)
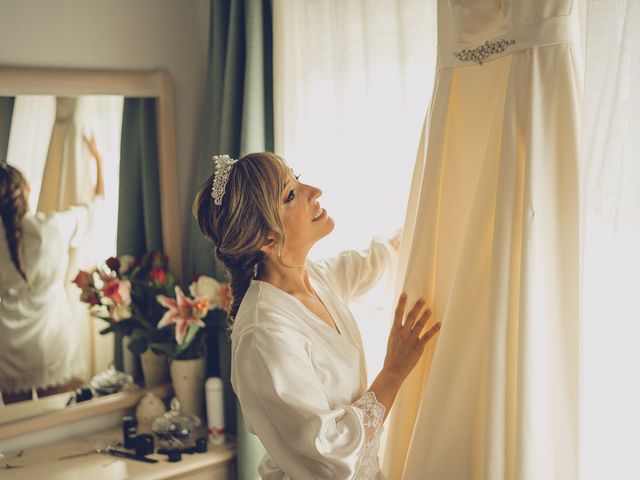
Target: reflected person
(38,350)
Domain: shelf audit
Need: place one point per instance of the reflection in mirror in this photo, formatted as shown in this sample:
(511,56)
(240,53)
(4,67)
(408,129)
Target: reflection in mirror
(59,170)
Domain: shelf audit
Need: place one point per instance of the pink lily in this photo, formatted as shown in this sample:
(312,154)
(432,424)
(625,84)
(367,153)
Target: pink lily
(183,311)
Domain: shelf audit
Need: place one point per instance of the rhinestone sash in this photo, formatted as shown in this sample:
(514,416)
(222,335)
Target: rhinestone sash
(550,31)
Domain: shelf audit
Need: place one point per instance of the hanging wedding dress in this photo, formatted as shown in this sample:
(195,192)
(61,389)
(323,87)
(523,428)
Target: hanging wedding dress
(491,240)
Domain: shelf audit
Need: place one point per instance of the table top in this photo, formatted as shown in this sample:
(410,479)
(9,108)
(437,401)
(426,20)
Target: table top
(44,461)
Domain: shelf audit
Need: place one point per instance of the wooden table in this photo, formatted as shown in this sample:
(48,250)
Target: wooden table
(43,462)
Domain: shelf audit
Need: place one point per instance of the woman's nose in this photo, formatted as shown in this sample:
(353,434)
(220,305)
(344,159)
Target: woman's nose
(315,193)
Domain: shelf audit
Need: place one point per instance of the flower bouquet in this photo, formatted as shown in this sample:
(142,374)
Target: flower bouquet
(123,293)
(188,315)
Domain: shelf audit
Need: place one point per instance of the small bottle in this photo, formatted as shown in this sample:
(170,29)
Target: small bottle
(215,410)
(129,431)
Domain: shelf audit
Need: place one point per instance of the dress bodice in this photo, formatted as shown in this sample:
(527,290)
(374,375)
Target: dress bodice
(468,24)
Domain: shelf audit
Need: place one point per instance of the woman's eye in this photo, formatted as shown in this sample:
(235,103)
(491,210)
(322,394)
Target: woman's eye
(291,196)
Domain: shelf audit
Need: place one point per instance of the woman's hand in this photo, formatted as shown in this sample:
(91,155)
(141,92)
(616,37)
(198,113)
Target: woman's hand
(404,349)
(93,150)
(91,145)
(406,345)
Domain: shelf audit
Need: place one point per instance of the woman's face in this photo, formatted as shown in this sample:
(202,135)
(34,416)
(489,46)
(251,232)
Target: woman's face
(305,221)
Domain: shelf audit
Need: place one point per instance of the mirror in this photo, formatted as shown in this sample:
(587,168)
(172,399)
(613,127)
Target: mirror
(63,130)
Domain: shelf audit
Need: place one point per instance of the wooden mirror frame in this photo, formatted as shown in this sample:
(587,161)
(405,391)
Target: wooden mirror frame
(149,84)
(73,82)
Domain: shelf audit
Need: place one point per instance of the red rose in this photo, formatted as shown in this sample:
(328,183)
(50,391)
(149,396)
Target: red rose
(111,289)
(159,260)
(83,279)
(157,276)
(118,290)
(113,263)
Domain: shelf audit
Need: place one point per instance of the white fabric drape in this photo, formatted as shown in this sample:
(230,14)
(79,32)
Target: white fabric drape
(351,81)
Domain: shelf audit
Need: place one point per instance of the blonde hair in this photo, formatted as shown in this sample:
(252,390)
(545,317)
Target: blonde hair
(248,214)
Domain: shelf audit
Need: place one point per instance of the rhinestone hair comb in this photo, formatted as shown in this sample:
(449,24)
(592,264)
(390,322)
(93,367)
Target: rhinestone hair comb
(223,165)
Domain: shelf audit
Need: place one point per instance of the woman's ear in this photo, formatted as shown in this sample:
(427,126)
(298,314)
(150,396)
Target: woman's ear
(269,245)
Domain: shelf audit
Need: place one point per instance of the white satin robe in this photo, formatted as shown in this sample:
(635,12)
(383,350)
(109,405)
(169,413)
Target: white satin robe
(38,341)
(301,384)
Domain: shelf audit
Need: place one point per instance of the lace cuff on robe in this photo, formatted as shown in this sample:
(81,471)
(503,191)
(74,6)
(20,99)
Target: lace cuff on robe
(373,414)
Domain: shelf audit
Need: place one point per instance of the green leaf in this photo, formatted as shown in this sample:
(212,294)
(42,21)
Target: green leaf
(166,348)
(109,329)
(138,345)
(189,337)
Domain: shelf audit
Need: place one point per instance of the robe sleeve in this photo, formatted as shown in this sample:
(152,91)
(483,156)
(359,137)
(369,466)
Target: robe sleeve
(354,272)
(74,223)
(284,403)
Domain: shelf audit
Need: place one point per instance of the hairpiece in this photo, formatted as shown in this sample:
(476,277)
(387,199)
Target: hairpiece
(222,170)
(4,166)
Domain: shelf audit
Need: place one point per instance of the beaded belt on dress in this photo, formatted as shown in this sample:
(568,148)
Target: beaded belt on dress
(550,31)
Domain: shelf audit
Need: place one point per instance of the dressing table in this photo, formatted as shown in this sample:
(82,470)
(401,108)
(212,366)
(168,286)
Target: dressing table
(44,462)
(35,434)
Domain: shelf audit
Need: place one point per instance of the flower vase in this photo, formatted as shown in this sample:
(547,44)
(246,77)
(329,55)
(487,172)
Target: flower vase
(128,357)
(188,384)
(155,368)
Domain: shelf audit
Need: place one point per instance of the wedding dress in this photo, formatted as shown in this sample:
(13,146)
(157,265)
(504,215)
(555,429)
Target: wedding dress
(491,241)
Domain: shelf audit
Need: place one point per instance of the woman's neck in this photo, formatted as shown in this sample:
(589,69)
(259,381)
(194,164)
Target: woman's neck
(292,279)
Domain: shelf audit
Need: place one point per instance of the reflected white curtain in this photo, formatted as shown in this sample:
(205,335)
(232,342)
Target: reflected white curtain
(31,124)
(610,318)
(351,82)
(66,162)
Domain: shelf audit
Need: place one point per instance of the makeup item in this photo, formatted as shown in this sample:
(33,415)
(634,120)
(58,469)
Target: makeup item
(215,410)
(174,455)
(174,425)
(131,456)
(83,454)
(144,444)
(201,445)
(129,431)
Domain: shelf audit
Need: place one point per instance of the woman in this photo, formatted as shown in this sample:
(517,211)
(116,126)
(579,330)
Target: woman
(297,358)
(37,346)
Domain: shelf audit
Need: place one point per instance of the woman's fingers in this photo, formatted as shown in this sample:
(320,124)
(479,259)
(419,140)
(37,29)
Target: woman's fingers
(413,314)
(421,322)
(432,331)
(397,319)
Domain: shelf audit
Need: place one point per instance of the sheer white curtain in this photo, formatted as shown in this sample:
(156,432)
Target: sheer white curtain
(352,80)
(611,241)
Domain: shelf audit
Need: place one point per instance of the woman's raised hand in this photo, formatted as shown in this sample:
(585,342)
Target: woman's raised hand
(91,145)
(406,345)
(93,150)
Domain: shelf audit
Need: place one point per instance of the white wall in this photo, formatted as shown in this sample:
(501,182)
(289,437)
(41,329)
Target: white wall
(119,34)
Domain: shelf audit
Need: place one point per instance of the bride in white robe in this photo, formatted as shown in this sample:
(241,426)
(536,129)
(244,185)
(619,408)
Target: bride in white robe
(297,357)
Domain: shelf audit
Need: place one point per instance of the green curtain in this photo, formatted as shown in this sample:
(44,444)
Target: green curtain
(6,113)
(237,119)
(139,217)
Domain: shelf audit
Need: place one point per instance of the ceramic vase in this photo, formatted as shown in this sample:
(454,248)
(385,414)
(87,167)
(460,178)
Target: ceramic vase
(187,377)
(128,357)
(155,368)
